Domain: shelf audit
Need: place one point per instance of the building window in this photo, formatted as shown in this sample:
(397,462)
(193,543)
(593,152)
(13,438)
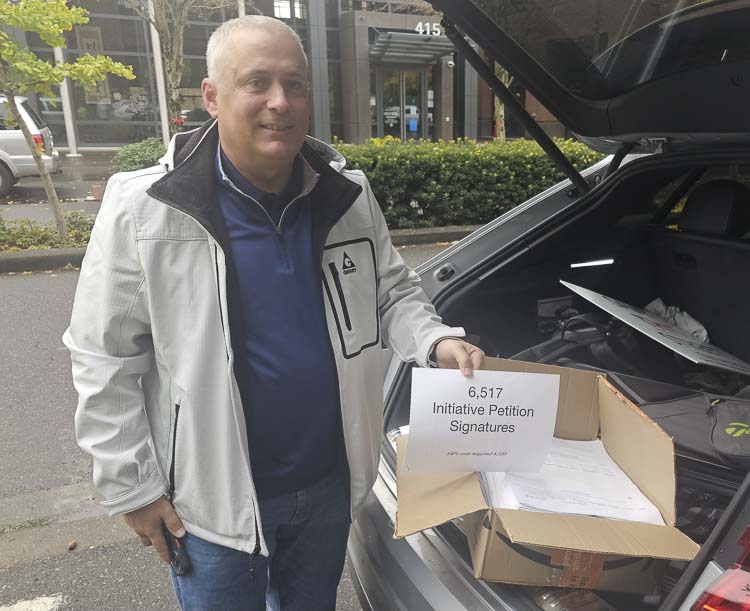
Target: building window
(334,92)
(282,9)
(333,7)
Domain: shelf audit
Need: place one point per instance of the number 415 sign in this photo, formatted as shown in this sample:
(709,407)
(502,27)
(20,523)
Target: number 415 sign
(428,29)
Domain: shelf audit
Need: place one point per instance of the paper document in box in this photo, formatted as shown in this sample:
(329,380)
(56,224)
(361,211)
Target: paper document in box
(664,332)
(491,421)
(577,477)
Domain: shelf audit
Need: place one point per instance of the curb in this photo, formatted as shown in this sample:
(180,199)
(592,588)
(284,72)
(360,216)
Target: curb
(55,258)
(430,235)
(36,260)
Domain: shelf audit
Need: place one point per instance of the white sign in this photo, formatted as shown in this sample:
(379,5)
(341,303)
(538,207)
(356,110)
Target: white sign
(492,421)
(89,39)
(664,332)
(428,29)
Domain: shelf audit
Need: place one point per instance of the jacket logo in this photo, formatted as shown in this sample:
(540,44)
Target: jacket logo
(737,429)
(348,265)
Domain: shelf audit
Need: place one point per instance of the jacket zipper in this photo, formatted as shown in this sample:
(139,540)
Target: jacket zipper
(218,291)
(257,549)
(340,291)
(174,453)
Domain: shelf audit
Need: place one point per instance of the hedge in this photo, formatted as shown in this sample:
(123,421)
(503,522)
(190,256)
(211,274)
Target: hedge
(138,155)
(430,184)
(418,184)
(25,234)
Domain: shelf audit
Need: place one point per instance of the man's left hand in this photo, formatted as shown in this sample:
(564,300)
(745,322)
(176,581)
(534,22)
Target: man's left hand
(458,354)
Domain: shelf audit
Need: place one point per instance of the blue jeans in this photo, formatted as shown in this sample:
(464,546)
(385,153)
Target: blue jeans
(306,534)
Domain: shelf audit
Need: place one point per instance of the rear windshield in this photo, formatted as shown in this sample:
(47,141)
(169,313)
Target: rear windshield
(601,48)
(32,113)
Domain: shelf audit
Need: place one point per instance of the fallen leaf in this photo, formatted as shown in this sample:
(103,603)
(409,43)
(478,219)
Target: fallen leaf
(72,545)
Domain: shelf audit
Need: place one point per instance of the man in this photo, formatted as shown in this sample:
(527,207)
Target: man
(226,338)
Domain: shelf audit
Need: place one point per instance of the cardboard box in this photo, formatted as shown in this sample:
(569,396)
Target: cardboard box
(548,549)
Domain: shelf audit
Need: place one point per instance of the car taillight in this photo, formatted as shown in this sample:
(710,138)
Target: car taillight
(730,591)
(39,142)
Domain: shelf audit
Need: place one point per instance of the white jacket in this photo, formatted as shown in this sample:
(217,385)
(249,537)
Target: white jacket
(149,338)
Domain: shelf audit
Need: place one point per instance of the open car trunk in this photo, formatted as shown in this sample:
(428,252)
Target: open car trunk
(694,257)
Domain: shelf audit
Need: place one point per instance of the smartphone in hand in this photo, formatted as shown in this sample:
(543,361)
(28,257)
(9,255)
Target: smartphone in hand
(178,558)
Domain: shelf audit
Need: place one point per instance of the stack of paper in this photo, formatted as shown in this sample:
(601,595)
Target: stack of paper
(577,477)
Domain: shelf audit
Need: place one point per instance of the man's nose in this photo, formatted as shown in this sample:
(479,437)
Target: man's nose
(277,98)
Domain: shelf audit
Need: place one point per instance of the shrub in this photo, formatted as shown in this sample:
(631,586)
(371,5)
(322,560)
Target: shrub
(425,184)
(428,184)
(138,155)
(25,234)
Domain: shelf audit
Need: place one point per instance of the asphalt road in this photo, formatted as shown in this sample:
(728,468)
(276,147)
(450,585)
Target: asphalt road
(46,498)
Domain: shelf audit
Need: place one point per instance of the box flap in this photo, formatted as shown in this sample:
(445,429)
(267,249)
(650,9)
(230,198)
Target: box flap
(597,535)
(428,499)
(577,406)
(640,448)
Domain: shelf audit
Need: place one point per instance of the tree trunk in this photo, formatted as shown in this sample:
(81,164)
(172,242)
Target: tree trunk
(499,106)
(499,120)
(171,21)
(52,198)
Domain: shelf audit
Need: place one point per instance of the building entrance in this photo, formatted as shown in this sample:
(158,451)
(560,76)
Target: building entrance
(402,105)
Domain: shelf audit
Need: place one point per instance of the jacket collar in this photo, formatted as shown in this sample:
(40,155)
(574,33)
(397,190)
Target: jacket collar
(190,182)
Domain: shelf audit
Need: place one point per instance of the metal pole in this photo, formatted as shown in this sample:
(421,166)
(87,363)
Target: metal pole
(161,90)
(66,98)
(241,8)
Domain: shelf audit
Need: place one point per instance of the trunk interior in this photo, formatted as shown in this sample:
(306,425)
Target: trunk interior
(694,256)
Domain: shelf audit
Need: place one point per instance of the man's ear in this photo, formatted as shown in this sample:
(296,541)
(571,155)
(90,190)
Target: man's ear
(209,93)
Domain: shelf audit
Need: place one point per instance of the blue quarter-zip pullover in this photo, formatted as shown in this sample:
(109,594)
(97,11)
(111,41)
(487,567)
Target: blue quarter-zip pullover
(285,367)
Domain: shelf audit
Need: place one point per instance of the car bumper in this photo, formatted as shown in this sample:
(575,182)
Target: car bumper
(422,572)
(26,165)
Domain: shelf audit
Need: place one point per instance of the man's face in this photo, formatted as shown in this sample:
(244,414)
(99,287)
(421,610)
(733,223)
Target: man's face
(261,99)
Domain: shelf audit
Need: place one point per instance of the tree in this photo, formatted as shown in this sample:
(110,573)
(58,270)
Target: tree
(170,18)
(21,71)
(519,20)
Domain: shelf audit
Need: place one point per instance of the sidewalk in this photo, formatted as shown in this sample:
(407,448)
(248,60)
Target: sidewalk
(81,186)
(81,182)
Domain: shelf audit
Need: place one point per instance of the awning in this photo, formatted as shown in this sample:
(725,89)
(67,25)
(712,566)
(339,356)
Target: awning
(406,48)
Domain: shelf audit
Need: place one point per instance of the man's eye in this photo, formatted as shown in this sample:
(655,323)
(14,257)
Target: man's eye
(296,86)
(256,84)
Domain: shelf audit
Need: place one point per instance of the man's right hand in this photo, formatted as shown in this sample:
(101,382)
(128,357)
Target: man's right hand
(147,524)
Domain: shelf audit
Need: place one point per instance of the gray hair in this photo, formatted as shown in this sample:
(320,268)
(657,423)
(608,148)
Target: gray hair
(221,35)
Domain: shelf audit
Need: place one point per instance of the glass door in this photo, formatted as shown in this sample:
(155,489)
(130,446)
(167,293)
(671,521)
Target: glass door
(412,88)
(403,103)
(391,106)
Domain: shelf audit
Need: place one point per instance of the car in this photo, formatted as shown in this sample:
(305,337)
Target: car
(16,160)
(661,89)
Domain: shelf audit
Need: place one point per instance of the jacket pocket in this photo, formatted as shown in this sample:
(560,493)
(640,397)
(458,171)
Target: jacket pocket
(350,283)
(173,454)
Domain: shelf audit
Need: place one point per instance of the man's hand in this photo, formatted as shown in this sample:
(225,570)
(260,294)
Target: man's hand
(147,523)
(458,354)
